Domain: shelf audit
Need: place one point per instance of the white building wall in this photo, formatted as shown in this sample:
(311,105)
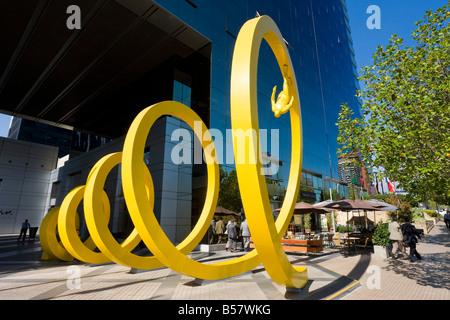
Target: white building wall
(25,170)
(75,171)
(29,172)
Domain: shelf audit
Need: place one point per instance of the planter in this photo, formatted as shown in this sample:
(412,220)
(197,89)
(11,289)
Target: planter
(302,245)
(382,252)
(426,225)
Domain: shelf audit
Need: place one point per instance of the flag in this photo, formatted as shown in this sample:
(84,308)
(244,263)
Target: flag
(354,179)
(376,179)
(362,180)
(391,189)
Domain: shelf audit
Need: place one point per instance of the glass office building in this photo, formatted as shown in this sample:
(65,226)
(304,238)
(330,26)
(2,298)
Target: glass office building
(69,142)
(318,36)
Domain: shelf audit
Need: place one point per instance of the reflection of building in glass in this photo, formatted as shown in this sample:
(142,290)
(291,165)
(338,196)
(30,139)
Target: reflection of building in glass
(350,171)
(311,187)
(335,189)
(321,50)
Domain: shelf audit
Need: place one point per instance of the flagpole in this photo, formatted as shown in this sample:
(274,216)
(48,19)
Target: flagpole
(332,213)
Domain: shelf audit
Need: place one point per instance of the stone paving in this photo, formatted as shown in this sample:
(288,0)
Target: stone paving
(332,276)
(426,279)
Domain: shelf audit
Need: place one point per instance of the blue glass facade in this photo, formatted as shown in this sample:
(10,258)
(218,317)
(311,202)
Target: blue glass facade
(320,46)
(133,54)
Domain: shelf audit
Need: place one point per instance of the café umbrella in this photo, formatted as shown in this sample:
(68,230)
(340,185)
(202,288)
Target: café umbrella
(221,211)
(304,207)
(383,206)
(350,205)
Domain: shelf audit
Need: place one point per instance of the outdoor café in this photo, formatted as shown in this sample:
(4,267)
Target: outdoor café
(308,231)
(357,231)
(315,226)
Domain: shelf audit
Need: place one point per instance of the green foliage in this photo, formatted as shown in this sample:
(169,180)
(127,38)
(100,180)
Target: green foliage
(413,201)
(431,213)
(229,195)
(343,229)
(417,214)
(405,213)
(329,216)
(381,235)
(406,107)
(307,221)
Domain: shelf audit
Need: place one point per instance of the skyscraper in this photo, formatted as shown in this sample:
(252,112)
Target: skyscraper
(129,54)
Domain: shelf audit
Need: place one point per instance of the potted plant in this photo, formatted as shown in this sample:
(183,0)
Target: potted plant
(381,241)
(307,224)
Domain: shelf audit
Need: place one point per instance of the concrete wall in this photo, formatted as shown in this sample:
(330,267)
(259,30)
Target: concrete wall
(25,170)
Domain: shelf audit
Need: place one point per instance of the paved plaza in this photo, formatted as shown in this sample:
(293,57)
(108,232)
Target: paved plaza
(332,276)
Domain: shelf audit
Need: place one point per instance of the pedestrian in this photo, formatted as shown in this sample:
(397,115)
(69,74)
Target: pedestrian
(212,231)
(23,230)
(410,237)
(245,232)
(226,233)
(220,229)
(447,218)
(396,237)
(232,235)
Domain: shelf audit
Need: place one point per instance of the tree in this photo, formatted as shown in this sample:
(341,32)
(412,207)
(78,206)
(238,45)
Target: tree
(406,105)
(229,196)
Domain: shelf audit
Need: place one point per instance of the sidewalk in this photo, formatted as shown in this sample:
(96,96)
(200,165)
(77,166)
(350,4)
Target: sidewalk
(332,276)
(381,279)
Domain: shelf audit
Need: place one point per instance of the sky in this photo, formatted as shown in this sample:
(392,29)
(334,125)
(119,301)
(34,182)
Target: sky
(396,16)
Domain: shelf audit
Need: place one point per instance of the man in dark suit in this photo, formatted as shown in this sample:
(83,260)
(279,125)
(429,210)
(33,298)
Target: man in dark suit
(410,237)
(23,230)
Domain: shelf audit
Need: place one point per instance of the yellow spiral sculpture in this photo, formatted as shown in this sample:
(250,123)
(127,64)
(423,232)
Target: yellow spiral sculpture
(139,193)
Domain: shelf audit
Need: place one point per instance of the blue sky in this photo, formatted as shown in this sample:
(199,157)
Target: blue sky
(396,16)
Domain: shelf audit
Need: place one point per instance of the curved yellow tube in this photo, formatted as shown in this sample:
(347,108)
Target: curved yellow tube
(83,251)
(98,224)
(142,215)
(52,249)
(139,194)
(252,184)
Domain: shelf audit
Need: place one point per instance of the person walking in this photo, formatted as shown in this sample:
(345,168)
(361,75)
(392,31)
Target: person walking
(212,231)
(410,237)
(396,237)
(220,229)
(232,235)
(23,230)
(227,246)
(245,232)
(447,218)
